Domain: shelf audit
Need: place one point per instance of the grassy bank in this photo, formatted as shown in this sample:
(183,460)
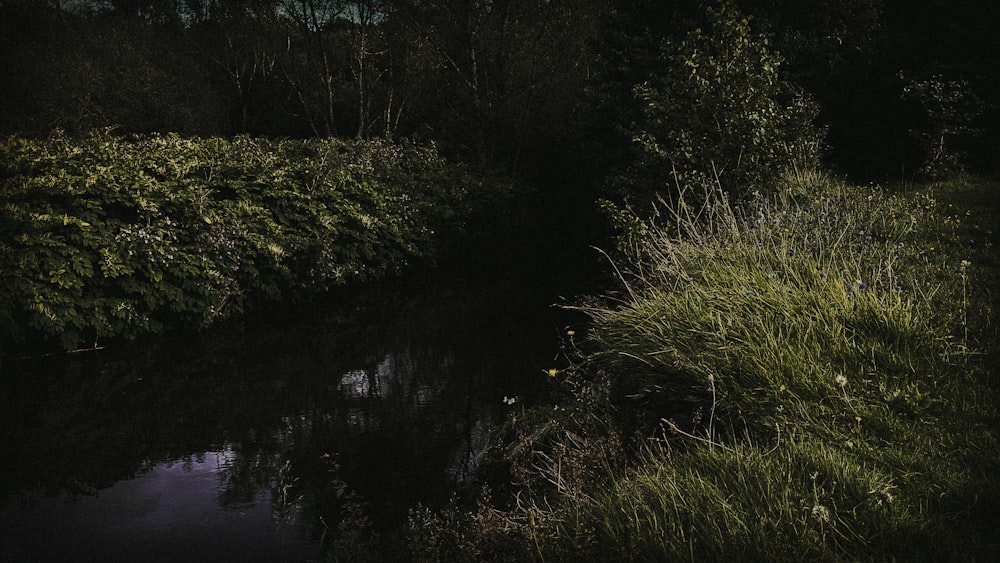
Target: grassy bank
(805,376)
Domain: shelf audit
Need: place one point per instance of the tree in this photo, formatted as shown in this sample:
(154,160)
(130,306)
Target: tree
(365,17)
(312,63)
(718,110)
(94,67)
(504,71)
(952,109)
(241,38)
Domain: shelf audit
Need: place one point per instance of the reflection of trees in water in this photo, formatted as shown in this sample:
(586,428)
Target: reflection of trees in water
(396,388)
(248,471)
(406,426)
(403,402)
(405,429)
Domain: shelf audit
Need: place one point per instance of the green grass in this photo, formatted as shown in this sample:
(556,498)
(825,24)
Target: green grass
(807,376)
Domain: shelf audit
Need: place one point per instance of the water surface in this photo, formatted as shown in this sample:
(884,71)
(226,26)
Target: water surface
(242,443)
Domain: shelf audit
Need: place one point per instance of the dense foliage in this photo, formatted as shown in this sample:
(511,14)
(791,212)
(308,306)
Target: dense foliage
(512,82)
(106,236)
(718,110)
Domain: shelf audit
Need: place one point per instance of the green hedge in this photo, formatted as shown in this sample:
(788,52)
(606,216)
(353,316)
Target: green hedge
(107,236)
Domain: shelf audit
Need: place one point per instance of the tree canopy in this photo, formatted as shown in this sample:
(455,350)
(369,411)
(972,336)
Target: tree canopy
(902,88)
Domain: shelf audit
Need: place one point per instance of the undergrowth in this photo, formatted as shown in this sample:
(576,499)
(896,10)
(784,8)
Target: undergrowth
(106,236)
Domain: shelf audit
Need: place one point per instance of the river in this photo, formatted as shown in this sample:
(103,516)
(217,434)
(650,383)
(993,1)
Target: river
(246,441)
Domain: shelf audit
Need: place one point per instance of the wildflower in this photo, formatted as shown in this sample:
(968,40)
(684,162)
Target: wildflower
(509,400)
(821,513)
(570,332)
(822,275)
(841,380)
(862,286)
(965,265)
(884,495)
(552,372)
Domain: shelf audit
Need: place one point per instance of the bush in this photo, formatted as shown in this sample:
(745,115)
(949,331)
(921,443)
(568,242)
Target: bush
(720,111)
(105,236)
(951,109)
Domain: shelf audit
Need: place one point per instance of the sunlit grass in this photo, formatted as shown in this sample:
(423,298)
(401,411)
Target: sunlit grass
(807,376)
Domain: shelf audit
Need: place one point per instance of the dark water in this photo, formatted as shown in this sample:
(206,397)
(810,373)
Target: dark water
(231,444)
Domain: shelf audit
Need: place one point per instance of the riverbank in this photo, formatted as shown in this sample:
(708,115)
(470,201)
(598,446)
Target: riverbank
(808,376)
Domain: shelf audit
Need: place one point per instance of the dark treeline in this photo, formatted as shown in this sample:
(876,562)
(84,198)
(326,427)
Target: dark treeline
(527,86)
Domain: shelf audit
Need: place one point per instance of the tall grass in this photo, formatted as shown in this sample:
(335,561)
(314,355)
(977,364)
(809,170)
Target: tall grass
(815,296)
(804,376)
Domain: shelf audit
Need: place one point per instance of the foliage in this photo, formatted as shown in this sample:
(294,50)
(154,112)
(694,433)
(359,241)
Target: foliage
(801,378)
(718,109)
(952,109)
(491,81)
(505,82)
(105,236)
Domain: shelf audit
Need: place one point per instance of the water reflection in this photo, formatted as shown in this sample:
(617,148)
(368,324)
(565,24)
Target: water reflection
(194,446)
(169,512)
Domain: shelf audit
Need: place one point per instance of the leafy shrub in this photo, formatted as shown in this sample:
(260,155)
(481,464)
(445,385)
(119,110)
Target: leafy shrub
(719,110)
(105,236)
(950,108)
